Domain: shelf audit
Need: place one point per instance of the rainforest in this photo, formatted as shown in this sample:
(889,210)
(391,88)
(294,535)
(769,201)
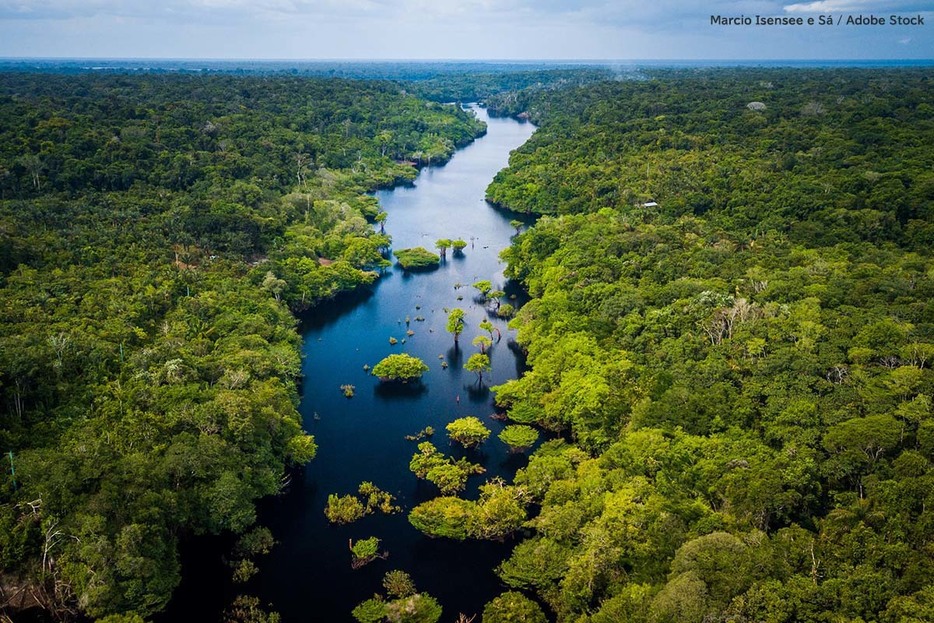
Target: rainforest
(717,294)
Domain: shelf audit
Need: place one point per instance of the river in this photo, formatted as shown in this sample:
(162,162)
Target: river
(308,576)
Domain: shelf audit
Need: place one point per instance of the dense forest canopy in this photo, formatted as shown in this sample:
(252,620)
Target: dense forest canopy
(154,232)
(730,334)
(732,329)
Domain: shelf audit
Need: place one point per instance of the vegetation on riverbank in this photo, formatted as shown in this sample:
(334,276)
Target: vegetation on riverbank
(154,232)
(731,326)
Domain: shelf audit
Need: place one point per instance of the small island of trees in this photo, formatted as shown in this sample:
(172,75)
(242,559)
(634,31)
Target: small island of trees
(417,258)
(399,367)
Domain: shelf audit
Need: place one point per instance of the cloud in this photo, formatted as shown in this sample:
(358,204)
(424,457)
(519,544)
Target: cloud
(855,6)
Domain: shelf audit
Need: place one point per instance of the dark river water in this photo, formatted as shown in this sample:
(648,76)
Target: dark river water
(308,576)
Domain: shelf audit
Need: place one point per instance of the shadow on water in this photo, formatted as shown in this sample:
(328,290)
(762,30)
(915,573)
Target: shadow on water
(455,357)
(330,312)
(477,393)
(391,391)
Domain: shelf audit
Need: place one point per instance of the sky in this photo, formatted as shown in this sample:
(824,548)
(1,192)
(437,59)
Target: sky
(458,29)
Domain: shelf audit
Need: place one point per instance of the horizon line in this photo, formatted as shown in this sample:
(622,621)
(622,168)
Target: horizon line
(462,60)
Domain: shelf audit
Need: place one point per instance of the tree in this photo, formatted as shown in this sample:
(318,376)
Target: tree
(518,437)
(443,244)
(478,363)
(398,583)
(483,287)
(399,367)
(468,431)
(483,342)
(449,475)
(443,517)
(513,607)
(489,327)
(455,323)
(458,246)
(499,512)
(343,509)
(364,551)
(273,285)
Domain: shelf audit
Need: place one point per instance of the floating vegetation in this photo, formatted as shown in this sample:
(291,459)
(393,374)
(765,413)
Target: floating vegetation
(426,432)
(365,551)
(348,390)
(344,509)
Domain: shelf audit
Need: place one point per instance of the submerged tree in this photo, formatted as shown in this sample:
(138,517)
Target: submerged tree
(518,437)
(483,342)
(399,367)
(459,245)
(402,605)
(468,431)
(365,551)
(443,244)
(513,607)
(488,326)
(456,322)
(478,363)
(483,287)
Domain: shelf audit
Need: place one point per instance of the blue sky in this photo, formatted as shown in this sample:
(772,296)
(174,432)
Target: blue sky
(454,29)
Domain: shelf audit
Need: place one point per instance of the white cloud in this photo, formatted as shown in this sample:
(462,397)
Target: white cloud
(854,6)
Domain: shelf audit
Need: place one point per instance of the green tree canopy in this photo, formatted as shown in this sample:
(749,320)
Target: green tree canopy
(399,367)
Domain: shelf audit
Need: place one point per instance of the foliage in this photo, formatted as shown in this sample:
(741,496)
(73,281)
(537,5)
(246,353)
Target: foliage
(364,551)
(426,432)
(449,475)
(518,437)
(483,342)
(156,232)
(343,509)
(513,607)
(483,287)
(455,324)
(443,517)
(258,541)
(399,367)
(498,513)
(404,605)
(398,583)
(741,369)
(377,499)
(247,609)
(468,431)
(416,258)
(479,363)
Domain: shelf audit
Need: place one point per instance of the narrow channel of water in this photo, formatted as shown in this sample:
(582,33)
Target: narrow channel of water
(308,576)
